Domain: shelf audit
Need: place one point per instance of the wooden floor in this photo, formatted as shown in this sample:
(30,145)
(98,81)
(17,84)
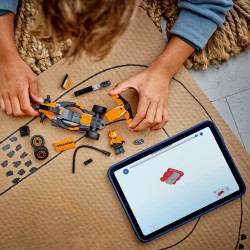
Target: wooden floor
(228,87)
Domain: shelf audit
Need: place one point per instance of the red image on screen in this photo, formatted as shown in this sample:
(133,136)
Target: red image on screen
(171,176)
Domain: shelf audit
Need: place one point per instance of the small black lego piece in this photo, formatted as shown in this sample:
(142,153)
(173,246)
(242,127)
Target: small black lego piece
(241,246)
(92,88)
(88,161)
(138,141)
(243,237)
(87,146)
(24,131)
(46,101)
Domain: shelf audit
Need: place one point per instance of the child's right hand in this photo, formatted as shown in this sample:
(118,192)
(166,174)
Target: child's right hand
(18,85)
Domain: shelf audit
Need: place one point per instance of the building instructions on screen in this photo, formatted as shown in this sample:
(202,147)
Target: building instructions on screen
(171,176)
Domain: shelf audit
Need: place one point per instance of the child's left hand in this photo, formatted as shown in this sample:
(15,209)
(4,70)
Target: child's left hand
(152,86)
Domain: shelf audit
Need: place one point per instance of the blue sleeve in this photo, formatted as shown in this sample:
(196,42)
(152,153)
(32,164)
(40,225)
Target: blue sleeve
(198,19)
(10,5)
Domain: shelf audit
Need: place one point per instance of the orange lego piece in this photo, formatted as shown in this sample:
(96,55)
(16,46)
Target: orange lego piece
(66,82)
(123,108)
(115,113)
(114,137)
(86,119)
(64,144)
(116,142)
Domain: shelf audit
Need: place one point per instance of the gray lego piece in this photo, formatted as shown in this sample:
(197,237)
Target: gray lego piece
(172,178)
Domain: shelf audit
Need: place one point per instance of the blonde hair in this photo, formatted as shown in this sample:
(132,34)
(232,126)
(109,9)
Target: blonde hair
(93,26)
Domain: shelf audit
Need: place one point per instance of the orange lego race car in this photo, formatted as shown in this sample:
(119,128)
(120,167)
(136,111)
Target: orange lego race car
(61,116)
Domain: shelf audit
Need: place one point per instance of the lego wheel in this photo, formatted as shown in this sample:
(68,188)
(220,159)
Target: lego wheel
(92,135)
(37,141)
(99,109)
(41,153)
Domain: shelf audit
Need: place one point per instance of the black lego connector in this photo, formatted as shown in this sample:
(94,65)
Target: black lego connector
(24,130)
(88,161)
(43,116)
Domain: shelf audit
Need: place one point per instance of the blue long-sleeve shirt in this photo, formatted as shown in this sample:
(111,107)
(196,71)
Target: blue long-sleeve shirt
(197,21)
(9,5)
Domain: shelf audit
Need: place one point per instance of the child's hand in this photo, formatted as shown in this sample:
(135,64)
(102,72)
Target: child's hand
(152,86)
(17,84)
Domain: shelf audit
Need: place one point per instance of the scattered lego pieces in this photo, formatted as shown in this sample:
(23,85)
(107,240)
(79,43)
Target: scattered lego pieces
(87,146)
(42,115)
(64,144)
(65,83)
(92,88)
(37,141)
(41,153)
(88,161)
(243,237)
(138,141)
(24,131)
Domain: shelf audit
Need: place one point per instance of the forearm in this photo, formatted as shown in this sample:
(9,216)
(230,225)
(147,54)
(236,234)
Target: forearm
(174,55)
(198,19)
(7,43)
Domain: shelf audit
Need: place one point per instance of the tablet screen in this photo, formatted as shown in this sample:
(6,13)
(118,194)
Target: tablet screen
(176,181)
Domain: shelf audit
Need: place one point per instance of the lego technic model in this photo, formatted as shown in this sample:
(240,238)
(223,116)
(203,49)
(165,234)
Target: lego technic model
(62,116)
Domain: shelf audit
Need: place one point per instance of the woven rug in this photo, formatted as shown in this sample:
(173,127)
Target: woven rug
(228,40)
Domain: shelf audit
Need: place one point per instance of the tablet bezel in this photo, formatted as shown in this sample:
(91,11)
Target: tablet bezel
(159,146)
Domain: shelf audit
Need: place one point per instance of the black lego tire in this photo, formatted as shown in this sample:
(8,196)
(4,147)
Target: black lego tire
(37,141)
(41,153)
(99,109)
(92,135)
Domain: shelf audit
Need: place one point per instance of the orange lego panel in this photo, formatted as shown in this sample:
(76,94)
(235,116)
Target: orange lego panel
(86,119)
(73,128)
(66,84)
(51,104)
(128,117)
(118,100)
(64,144)
(80,105)
(115,113)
